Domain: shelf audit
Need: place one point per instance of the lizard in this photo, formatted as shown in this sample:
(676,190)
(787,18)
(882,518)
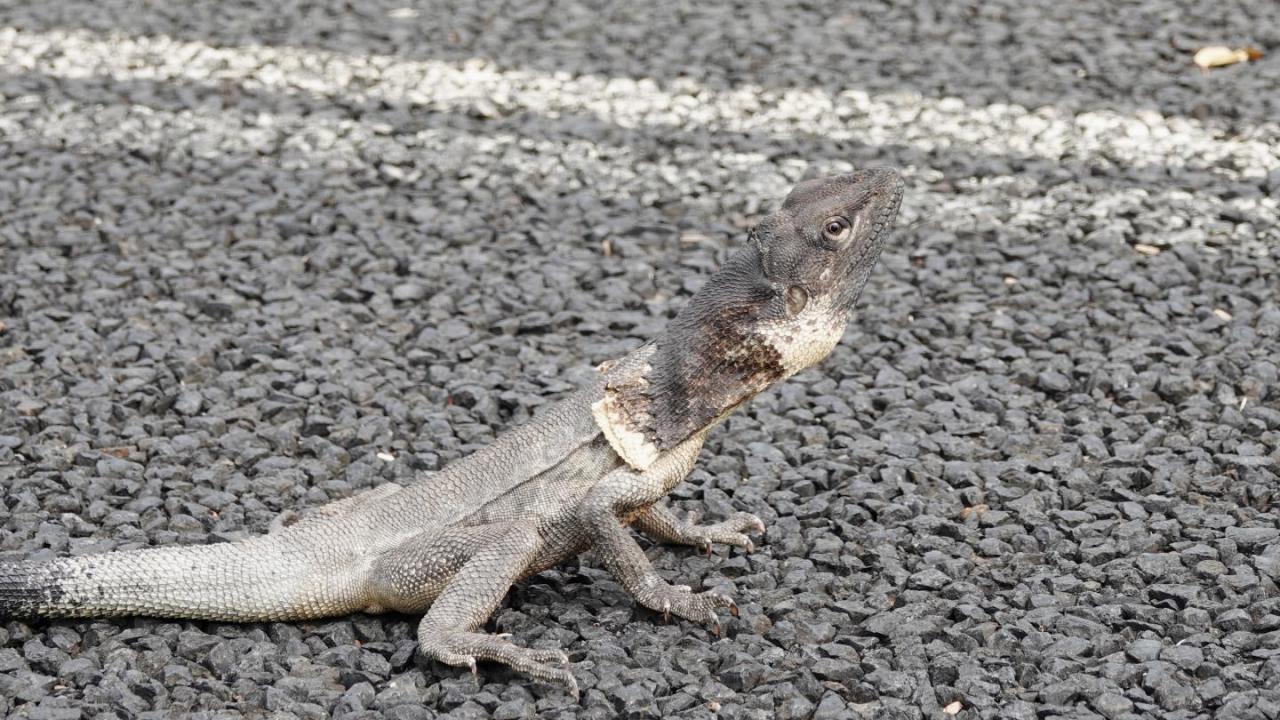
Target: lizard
(573,478)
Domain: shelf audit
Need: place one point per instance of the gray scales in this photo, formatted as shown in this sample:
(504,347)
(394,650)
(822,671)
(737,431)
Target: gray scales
(572,479)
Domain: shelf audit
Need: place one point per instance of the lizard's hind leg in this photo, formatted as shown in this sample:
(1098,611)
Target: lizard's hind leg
(492,558)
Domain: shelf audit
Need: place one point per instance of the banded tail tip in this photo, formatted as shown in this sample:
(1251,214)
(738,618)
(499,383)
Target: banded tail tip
(29,590)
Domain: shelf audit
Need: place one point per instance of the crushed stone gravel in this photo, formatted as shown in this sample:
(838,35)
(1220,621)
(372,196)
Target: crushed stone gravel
(259,256)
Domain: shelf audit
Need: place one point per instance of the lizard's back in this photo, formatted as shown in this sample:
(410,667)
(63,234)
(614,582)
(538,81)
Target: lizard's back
(512,472)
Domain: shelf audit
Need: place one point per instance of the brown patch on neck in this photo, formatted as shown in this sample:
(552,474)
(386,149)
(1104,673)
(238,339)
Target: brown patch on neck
(702,373)
(710,359)
(662,395)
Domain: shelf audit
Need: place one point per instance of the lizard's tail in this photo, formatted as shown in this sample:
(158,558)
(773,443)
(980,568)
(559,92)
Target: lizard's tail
(254,580)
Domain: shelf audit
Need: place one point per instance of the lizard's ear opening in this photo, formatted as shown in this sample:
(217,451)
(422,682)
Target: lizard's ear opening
(797,300)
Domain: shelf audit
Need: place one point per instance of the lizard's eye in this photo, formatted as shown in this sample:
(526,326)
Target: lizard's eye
(797,298)
(836,229)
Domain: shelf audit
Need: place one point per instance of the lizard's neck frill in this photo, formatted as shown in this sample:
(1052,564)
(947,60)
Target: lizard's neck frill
(622,410)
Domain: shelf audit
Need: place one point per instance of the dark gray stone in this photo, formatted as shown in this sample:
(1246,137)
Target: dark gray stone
(1144,650)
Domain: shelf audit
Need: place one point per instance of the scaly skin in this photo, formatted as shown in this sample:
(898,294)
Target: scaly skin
(570,480)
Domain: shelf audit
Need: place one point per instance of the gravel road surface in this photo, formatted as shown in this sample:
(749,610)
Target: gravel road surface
(257,256)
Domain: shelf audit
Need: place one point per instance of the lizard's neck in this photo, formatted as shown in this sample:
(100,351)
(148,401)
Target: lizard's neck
(679,386)
(727,345)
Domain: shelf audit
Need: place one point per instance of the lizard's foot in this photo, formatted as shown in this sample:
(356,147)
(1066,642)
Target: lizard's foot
(464,648)
(682,601)
(727,532)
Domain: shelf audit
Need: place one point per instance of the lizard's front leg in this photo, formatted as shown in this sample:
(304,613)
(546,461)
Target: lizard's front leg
(620,492)
(663,525)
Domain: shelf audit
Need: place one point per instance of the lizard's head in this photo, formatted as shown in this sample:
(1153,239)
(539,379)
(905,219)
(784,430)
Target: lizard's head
(812,258)
(779,305)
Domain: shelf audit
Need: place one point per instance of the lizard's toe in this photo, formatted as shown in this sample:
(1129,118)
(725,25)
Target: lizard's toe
(732,531)
(462,648)
(548,656)
(741,522)
(545,665)
(552,672)
(681,601)
(448,657)
(734,539)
